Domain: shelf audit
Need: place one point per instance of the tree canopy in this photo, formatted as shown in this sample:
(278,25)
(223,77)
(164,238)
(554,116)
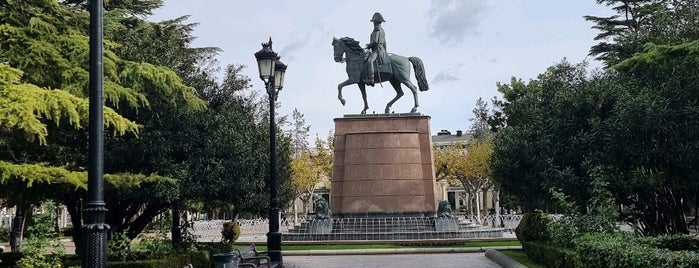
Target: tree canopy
(174,131)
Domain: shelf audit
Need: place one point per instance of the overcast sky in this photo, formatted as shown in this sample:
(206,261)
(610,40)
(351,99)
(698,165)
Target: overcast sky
(467,46)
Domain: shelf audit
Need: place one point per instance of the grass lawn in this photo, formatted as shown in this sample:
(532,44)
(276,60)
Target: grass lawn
(521,257)
(398,245)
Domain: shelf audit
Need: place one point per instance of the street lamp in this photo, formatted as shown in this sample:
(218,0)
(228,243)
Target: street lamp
(94,227)
(272,74)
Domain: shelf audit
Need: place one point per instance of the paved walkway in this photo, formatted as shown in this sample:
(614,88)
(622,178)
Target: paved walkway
(477,259)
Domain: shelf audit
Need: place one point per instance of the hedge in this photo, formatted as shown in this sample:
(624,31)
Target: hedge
(629,250)
(551,256)
(197,259)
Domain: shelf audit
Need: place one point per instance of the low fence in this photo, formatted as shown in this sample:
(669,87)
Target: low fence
(255,230)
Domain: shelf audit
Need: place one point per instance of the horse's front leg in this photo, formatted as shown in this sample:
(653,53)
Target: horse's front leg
(339,90)
(362,89)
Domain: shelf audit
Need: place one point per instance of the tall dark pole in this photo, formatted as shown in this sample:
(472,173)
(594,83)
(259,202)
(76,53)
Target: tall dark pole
(274,237)
(94,227)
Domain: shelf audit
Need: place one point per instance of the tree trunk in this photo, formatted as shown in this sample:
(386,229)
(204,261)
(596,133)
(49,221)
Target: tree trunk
(663,213)
(296,211)
(478,207)
(496,197)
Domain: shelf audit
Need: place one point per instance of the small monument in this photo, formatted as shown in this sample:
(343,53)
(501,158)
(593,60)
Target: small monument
(323,223)
(445,221)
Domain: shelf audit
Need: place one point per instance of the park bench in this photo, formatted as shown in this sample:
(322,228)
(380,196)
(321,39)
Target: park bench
(251,257)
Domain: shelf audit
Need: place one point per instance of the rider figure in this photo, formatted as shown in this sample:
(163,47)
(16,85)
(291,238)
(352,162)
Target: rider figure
(377,45)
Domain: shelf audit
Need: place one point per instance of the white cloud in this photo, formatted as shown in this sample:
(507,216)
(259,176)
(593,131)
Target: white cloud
(453,20)
(445,77)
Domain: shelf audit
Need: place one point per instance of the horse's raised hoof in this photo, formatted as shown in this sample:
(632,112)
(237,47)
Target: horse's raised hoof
(342,101)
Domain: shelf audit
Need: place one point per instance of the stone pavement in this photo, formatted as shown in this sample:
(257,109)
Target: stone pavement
(475,259)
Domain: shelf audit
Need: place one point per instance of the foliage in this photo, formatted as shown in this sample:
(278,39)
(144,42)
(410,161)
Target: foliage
(310,168)
(629,133)
(677,242)
(26,107)
(617,250)
(4,235)
(521,257)
(533,227)
(641,22)
(299,133)
(601,216)
(480,129)
(628,250)
(230,232)
(230,153)
(468,167)
(551,256)
(177,259)
(42,235)
(44,80)
(119,247)
(155,246)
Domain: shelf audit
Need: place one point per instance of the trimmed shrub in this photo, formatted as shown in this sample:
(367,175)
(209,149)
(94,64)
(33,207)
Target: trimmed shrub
(629,250)
(678,242)
(551,256)
(196,259)
(533,227)
(231,231)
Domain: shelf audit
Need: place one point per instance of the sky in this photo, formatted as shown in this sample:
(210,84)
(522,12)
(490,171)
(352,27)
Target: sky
(467,46)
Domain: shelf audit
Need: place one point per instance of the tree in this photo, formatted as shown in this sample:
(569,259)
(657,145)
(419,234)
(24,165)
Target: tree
(658,175)
(232,152)
(544,142)
(626,131)
(311,168)
(299,133)
(47,42)
(480,129)
(640,22)
(467,166)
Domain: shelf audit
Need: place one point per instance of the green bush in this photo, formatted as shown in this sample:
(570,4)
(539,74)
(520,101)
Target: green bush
(181,259)
(533,227)
(4,235)
(42,235)
(9,259)
(152,247)
(629,250)
(678,242)
(551,256)
(231,231)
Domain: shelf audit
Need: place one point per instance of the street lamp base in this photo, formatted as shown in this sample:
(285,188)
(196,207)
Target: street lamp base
(274,247)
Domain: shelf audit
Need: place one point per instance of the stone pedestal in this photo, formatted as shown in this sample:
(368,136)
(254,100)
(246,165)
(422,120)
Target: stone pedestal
(321,226)
(446,224)
(383,166)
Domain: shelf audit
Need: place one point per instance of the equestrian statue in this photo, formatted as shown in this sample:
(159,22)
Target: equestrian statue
(375,65)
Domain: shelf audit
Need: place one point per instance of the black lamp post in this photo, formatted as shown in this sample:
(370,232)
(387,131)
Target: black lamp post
(272,74)
(94,228)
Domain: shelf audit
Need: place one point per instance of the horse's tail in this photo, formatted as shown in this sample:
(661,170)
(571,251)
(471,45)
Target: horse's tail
(419,73)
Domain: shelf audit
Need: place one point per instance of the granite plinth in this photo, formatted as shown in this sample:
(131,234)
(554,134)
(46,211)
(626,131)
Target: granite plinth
(383,165)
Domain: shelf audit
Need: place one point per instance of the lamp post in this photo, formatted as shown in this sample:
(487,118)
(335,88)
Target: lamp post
(272,74)
(94,227)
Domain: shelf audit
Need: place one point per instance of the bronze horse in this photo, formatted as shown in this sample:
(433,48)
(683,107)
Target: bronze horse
(355,55)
